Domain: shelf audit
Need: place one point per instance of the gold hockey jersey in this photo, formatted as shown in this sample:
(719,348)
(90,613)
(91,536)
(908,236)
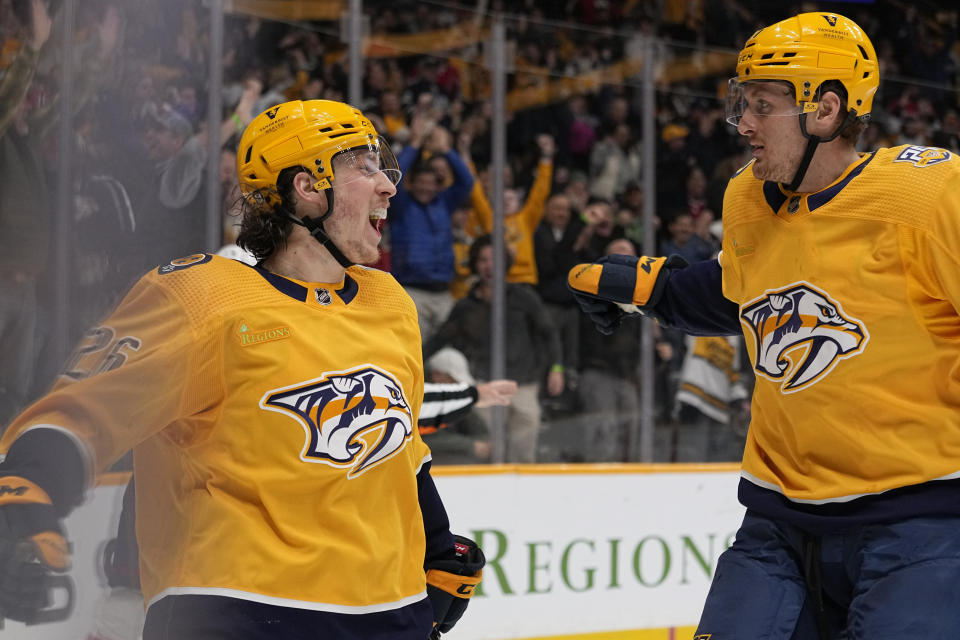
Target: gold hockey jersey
(273,426)
(850,304)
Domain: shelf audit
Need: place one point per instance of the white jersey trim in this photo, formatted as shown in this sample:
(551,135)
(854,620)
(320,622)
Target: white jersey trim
(287,602)
(427,458)
(839,499)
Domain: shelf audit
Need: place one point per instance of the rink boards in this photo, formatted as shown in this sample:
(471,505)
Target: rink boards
(575,552)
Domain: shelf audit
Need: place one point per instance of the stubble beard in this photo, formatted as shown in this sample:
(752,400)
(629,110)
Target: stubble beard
(360,252)
(778,171)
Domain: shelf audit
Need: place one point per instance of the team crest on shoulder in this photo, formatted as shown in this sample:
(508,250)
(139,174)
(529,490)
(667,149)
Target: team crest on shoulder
(801,334)
(923,156)
(353,419)
(184,263)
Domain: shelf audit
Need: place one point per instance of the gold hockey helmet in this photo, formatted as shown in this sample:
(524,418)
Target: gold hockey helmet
(314,134)
(806,51)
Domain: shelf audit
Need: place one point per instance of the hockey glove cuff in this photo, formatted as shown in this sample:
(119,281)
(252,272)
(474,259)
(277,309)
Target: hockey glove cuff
(619,284)
(451,582)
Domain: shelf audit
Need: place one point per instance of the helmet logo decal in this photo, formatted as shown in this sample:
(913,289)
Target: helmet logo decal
(272,113)
(800,335)
(831,20)
(353,420)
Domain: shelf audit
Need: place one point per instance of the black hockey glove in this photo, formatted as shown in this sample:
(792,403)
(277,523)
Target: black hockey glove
(451,582)
(616,285)
(31,546)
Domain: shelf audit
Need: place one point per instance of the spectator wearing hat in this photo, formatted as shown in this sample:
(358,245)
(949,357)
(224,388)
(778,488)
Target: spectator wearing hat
(466,439)
(673,162)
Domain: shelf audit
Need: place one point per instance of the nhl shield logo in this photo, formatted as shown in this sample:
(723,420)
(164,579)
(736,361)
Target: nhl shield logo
(353,420)
(800,334)
(323,296)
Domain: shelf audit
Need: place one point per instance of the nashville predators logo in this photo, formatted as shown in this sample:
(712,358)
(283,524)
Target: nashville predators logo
(923,156)
(800,335)
(353,419)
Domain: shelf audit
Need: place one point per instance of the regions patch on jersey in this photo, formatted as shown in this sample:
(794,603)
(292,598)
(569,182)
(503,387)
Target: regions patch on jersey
(800,335)
(923,156)
(184,263)
(247,336)
(353,419)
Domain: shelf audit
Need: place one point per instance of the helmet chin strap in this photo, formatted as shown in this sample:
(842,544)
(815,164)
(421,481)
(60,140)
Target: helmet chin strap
(812,143)
(315,227)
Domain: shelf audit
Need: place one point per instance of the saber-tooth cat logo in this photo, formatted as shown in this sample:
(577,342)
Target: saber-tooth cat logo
(801,334)
(353,419)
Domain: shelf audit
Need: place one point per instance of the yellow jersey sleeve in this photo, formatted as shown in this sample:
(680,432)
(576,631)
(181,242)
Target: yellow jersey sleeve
(129,377)
(943,242)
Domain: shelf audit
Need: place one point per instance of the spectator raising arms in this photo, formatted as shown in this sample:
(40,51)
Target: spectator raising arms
(421,233)
(520,222)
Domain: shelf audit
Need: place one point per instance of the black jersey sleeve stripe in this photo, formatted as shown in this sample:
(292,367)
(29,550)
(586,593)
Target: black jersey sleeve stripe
(445,403)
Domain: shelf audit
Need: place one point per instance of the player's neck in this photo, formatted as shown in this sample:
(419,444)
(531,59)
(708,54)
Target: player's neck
(305,259)
(830,161)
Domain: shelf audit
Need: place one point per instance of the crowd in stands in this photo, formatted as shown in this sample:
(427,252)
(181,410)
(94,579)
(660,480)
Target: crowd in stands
(573,184)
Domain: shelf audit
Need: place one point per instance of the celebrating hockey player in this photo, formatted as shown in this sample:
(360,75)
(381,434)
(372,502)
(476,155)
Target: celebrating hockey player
(842,270)
(282,487)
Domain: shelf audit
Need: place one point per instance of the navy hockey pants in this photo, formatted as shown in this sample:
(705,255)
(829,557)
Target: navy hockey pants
(893,581)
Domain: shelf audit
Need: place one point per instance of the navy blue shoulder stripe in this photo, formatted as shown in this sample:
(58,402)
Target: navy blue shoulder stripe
(281,284)
(349,289)
(817,200)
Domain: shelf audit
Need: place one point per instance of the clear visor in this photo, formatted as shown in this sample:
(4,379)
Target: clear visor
(363,162)
(762,99)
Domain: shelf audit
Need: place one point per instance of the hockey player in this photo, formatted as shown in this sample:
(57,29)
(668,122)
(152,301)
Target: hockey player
(120,614)
(282,488)
(842,270)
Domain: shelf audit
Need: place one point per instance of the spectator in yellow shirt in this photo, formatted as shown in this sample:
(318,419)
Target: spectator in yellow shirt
(520,222)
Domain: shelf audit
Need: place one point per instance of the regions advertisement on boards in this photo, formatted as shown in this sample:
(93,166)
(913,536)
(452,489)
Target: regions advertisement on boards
(575,552)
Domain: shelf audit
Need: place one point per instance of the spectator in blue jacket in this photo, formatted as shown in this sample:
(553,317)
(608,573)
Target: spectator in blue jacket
(421,235)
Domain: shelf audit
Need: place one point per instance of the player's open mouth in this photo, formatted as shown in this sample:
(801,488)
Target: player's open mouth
(377,217)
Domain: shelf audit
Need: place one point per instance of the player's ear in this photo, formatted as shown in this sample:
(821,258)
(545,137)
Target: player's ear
(828,115)
(303,187)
